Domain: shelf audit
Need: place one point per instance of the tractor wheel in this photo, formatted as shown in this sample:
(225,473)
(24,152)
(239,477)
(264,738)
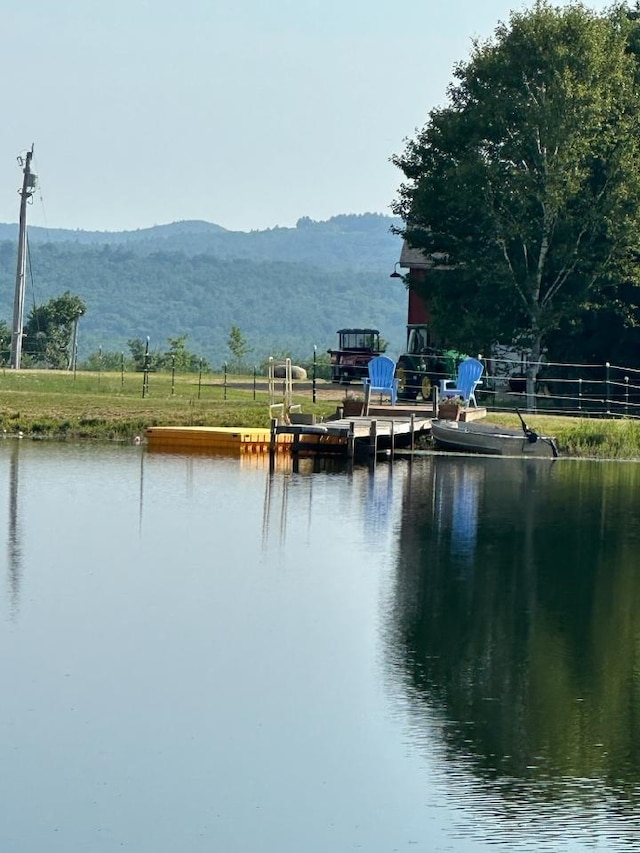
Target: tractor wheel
(405,391)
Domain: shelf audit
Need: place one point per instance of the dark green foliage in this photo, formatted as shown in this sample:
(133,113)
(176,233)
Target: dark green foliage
(48,333)
(5,342)
(528,182)
(106,360)
(329,275)
(179,358)
(142,357)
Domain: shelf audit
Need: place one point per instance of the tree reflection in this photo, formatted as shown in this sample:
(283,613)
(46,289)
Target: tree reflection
(516,613)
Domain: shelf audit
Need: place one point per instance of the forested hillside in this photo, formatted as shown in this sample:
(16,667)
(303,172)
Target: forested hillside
(285,289)
(359,241)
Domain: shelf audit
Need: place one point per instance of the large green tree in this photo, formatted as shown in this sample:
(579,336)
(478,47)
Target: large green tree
(49,331)
(528,180)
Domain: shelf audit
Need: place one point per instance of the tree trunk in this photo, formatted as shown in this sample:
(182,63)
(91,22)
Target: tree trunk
(533,368)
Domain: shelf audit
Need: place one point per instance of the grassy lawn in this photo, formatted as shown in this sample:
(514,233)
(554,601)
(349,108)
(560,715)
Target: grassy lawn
(109,406)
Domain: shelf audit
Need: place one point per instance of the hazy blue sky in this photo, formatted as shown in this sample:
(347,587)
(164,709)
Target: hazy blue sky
(246,113)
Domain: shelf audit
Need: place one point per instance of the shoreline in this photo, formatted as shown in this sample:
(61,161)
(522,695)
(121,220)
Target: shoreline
(58,405)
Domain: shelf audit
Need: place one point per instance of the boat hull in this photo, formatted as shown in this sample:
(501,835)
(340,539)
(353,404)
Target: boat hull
(472,437)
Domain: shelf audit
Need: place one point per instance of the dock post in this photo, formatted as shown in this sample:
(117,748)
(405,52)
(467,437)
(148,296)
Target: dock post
(367,400)
(272,444)
(373,439)
(392,437)
(413,432)
(315,374)
(351,443)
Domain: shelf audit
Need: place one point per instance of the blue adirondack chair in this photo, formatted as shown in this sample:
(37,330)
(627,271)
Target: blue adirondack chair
(381,377)
(468,378)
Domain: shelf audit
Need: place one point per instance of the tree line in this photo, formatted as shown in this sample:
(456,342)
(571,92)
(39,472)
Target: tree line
(49,337)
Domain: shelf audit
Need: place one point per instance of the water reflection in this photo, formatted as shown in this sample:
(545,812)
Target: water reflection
(441,653)
(14,531)
(515,620)
(371,489)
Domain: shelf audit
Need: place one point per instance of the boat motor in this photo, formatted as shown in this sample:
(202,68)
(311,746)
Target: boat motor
(531,435)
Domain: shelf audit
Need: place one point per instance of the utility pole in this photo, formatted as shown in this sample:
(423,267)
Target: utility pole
(28,188)
(73,353)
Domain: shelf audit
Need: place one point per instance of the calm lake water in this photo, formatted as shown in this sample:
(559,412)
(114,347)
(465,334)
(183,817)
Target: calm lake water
(196,655)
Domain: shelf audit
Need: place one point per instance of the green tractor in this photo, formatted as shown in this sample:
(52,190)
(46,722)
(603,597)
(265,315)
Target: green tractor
(423,366)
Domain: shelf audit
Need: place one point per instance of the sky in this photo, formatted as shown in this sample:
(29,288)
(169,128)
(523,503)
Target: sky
(245,113)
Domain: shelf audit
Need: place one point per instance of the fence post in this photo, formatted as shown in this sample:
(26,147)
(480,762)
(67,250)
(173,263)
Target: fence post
(200,379)
(255,374)
(580,394)
(225,379)
(145,370)
(608,388)
(315,373)
(122,370)
(173,374)
(626,396)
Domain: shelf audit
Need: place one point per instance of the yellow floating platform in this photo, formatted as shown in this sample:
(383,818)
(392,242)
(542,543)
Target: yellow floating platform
(232,441)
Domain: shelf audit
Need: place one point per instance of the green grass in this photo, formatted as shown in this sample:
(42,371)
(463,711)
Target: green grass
(55,404)
(598,438)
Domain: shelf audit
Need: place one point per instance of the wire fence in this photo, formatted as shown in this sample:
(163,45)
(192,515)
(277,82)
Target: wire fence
(562,388)
(608,390)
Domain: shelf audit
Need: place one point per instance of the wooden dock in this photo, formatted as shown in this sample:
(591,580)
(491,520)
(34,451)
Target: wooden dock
(354,436)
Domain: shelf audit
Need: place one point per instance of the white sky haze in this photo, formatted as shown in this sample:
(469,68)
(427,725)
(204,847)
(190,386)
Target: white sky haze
(239,112)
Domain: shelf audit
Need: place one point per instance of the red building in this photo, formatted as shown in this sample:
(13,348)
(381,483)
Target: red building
(421,365)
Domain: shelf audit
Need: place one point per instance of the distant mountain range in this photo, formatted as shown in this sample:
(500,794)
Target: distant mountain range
(287,289)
